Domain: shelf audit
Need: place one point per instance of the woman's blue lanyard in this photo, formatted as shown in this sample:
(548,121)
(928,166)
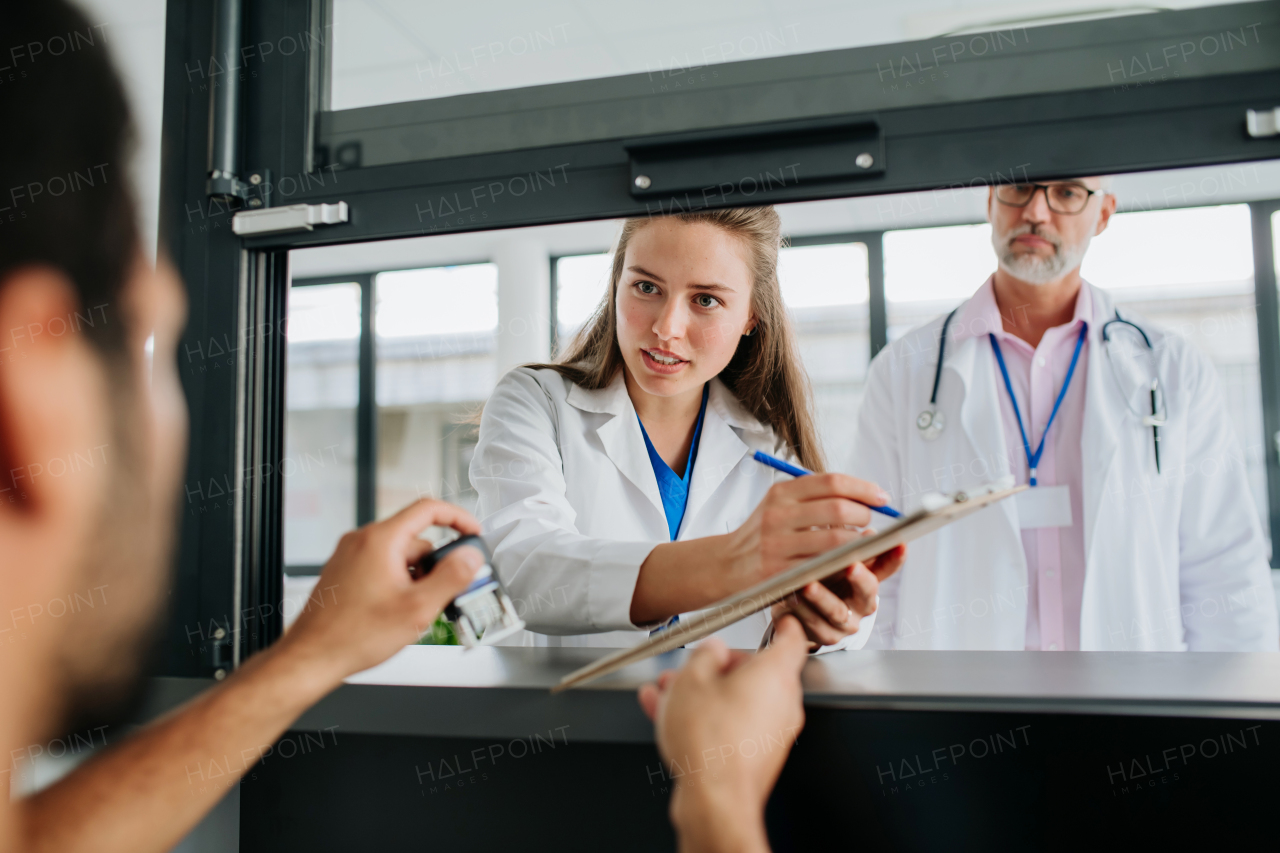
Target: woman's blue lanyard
(1033,460)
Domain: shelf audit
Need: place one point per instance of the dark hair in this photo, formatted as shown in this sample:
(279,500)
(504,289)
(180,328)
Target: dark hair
(65,140)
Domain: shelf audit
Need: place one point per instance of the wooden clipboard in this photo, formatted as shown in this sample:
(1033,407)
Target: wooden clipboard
(939,511)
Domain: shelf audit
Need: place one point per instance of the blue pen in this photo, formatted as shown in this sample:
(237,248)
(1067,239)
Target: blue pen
(797,471)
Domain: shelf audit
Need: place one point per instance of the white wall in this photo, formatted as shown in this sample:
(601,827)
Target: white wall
(524,304)
(135,34)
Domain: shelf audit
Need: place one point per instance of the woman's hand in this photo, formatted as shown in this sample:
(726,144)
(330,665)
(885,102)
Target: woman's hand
(833,609)
(796,520)
(802,518)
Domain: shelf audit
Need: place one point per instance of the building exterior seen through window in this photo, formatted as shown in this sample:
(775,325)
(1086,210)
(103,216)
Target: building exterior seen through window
(435,368)
(322,388)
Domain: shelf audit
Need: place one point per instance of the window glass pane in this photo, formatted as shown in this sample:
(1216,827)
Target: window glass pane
(386,51)
(1197,250)
(435,332)
(581,282)
(826,289)
(1275,241)
(322,386)
(929,271)
(816,276)
(444,300)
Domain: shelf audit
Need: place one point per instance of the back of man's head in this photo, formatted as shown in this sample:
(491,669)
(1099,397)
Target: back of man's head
(64,146)
(78,516)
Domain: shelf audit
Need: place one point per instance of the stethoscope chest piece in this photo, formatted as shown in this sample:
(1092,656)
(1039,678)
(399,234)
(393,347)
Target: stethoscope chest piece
(930,423)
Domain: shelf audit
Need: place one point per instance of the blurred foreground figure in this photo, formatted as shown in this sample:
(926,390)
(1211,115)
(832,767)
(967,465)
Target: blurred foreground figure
(92,445)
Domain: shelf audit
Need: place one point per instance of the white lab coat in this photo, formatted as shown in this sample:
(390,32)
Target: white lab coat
(1174,561)
(570,507)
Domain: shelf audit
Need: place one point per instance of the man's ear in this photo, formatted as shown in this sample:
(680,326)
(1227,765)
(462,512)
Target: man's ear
(55,431)
(991,198)
(1104,216)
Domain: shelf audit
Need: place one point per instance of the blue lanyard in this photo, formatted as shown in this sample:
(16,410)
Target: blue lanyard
(1033,460)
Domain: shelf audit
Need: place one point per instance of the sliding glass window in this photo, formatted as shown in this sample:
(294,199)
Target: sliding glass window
(581,283)
(436,333)
(439,124)
(825,287)
(322,388)
(388,51)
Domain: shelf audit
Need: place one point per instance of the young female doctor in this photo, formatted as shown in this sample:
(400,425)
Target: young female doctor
(617,487)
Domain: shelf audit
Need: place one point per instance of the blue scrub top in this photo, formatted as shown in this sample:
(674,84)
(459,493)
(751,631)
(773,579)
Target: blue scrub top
(675,490)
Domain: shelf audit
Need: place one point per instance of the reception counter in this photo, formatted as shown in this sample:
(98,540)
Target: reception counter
(901,750)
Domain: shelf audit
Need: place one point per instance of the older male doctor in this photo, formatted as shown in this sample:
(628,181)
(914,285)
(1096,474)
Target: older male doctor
(1138,531)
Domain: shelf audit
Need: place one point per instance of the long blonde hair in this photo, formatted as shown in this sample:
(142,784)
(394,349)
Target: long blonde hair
(764,374)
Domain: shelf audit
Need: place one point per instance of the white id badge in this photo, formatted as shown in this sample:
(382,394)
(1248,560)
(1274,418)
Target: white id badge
(1044,506)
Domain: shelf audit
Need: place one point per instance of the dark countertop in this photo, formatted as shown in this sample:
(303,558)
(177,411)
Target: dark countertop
(443,691)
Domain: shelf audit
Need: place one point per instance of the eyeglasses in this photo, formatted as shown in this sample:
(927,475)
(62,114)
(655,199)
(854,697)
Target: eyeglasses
(1068,197)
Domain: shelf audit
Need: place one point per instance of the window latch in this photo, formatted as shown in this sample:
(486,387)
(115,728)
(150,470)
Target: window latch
(295,217)
(1263,122)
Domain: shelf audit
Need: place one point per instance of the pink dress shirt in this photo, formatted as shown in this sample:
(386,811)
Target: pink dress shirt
(1055,555)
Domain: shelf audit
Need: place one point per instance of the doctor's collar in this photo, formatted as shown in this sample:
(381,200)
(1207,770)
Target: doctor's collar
(613,400)
(730,408)
(609,400)
(980,315)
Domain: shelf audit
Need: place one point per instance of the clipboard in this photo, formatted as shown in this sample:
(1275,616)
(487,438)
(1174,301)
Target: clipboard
(936,511)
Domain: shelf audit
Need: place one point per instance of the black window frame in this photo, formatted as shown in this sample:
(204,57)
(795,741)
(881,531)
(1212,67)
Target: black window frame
(230,557)
(366,411)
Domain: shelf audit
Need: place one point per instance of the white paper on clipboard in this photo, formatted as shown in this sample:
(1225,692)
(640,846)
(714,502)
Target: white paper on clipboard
(939,511)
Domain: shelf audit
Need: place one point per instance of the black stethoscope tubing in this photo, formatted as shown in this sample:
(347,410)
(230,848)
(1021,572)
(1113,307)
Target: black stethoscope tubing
(1118,319)
(942,353)
(1106,339)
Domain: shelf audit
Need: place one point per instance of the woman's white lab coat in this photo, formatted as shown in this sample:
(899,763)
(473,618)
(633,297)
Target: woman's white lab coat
(1174,561)
(570,507)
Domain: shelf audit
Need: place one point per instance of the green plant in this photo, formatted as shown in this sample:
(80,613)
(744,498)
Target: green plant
(441,634)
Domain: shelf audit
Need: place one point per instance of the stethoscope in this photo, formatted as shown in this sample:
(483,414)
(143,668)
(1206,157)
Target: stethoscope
(931,422)
(1159,416)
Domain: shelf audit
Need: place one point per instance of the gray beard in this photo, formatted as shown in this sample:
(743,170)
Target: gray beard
(1036,270)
